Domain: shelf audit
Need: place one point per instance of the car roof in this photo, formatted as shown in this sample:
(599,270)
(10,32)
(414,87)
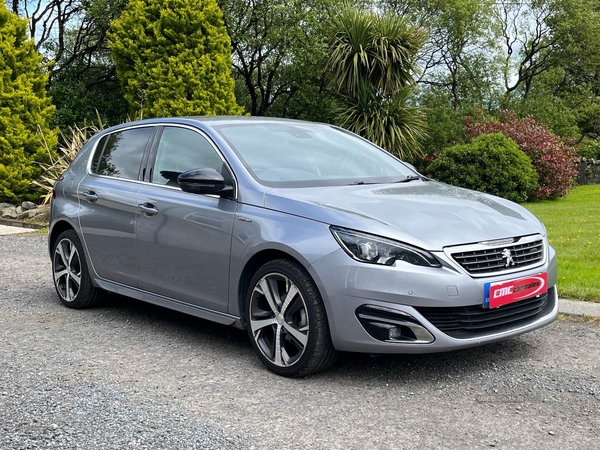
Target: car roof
(237,119)
(210,121)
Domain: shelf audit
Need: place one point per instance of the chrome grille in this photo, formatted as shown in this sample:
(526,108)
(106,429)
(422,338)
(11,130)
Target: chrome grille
(483,260)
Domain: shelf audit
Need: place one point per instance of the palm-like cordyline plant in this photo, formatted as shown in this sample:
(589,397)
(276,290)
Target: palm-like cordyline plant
(67,150)
(371,65)
(388,122)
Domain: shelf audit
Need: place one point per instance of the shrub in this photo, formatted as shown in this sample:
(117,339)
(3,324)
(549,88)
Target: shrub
(551,156)
(23,108)
(174,58)
(60,161)
(491,163)
(445,125)
(589,148)
(423,162)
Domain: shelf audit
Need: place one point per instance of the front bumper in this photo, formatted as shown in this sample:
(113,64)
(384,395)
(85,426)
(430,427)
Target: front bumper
(347,285)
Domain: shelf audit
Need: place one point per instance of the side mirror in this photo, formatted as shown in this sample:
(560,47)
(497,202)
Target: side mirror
(204,181)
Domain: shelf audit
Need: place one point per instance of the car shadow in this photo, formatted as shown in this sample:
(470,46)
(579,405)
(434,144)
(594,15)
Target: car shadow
(417,368)
(168,320)
(434,367)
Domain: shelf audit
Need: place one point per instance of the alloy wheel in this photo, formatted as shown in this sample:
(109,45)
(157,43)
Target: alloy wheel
(278,319)
(67,270)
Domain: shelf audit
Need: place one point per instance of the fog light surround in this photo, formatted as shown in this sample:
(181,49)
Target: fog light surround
(389,325)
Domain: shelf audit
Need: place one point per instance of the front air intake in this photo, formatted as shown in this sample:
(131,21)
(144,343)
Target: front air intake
(464,322)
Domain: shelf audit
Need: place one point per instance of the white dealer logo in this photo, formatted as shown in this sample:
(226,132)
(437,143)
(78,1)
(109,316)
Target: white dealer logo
(534,282)
(508,255)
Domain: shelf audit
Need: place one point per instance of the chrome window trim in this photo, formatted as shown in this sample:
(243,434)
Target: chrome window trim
(156,125)
(93,152)
(450,250)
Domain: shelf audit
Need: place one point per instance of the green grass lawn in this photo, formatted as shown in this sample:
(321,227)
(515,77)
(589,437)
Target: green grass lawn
(573,225)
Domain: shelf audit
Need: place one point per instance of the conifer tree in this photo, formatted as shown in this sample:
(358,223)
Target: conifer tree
(24,107)
(173,57)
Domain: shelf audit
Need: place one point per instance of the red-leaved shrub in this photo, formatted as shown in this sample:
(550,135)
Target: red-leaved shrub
(552,158)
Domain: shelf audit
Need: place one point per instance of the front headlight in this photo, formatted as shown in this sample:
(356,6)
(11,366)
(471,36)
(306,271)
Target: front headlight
(377,250)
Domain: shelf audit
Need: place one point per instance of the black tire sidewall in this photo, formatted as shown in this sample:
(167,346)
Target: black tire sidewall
(295,272)
(85,293)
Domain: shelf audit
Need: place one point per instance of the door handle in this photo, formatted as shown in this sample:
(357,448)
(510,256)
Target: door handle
(148,209)
(90,196)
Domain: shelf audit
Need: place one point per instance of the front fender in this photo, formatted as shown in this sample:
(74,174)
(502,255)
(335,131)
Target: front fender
(258,229)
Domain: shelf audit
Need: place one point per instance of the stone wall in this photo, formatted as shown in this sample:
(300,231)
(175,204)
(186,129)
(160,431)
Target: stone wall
(589,171)
(27,210)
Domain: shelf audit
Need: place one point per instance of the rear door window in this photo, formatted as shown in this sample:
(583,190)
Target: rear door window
(120,154)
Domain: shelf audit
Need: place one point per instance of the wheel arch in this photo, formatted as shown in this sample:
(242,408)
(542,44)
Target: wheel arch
(56,230)
(258,260)
(60,226)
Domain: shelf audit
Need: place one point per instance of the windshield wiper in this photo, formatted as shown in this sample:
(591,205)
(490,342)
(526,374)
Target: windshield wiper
(360,182)
(411,178)
(405,180)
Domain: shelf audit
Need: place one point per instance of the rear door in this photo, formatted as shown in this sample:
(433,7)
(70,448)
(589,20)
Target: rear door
(108,208)
(184,239)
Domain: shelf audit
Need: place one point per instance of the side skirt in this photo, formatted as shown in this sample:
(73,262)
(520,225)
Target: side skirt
(166,302)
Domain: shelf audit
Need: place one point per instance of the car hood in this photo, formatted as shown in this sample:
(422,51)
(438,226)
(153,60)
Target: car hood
(428,214)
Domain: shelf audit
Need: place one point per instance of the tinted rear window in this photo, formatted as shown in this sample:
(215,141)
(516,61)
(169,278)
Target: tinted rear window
(120,154)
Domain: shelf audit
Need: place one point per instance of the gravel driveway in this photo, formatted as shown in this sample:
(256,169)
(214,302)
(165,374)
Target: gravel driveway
(131,375)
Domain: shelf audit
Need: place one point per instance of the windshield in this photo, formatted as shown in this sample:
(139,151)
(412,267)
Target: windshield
(303,154)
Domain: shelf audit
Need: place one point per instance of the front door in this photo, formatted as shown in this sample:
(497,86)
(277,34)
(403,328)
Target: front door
(184,239)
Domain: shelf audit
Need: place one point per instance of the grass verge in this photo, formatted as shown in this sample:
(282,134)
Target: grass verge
(579,319)
(41,232)
(573,225)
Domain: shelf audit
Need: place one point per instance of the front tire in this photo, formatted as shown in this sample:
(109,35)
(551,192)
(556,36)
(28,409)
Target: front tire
(286,320)
(70,273)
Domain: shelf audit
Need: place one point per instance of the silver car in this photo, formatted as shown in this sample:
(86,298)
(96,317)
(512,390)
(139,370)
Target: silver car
(308,236)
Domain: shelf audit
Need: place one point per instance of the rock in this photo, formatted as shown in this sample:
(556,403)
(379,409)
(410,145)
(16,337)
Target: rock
(28,205)
(38,212)
(23,215)
(19,210)
(4,205)
(9,213)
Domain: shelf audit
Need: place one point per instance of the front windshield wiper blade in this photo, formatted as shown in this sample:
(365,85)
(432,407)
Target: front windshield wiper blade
(405,180)
(411,178)
(360,182)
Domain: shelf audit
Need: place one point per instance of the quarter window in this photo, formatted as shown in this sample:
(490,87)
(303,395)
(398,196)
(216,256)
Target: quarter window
(120,154)
(180,150)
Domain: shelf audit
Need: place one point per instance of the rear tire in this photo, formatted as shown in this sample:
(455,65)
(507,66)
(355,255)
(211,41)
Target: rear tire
(287,322)
(70,273)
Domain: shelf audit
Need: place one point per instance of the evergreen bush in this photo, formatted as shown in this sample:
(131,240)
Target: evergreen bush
(173,58)
(552,158)
(25,111)
(490,163)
